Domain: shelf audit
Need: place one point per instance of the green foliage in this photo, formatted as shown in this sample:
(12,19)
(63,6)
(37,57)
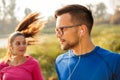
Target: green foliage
(48,30)
(2,52)
(107,36)
(46,52)
(115,19)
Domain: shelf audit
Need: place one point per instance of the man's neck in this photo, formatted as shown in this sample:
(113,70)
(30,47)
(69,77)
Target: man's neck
(84,48)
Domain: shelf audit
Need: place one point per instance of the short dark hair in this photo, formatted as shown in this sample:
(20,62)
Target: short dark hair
(79,14)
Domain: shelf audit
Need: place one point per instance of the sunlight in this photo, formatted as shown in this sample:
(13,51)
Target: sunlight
(47,7)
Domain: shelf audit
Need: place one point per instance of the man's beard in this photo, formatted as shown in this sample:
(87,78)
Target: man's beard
(69,45)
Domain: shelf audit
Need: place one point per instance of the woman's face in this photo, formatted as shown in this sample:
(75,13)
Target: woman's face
(18,46)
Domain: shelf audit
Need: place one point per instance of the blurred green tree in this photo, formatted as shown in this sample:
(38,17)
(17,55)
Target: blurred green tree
(27,11)
(115,19)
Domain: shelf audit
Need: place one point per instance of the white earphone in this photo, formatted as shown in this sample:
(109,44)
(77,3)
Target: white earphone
(81,31)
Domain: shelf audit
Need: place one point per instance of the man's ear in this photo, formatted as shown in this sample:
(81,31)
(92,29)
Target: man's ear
(83,30)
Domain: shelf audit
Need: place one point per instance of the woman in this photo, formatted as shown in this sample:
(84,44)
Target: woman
(15,65)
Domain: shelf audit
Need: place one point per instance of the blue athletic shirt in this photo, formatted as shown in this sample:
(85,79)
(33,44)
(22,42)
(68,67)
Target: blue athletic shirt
(99,64)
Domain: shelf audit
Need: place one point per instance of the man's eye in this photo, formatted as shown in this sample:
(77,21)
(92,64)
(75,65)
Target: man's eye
(57,29)
(61,28)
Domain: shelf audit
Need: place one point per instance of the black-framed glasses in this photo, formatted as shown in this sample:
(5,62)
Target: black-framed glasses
(60,30)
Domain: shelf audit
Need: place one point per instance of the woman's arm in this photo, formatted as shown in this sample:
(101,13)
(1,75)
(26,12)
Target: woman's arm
(37,74)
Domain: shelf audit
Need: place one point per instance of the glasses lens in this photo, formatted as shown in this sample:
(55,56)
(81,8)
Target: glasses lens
(59,30)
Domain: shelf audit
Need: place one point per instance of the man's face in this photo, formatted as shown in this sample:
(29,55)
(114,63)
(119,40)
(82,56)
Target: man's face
(67,35)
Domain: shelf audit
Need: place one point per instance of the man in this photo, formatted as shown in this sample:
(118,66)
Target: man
(84,60)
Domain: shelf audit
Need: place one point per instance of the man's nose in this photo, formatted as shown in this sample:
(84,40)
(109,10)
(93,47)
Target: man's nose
(58,34)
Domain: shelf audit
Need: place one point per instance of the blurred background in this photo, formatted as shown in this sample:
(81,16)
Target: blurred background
(105,33)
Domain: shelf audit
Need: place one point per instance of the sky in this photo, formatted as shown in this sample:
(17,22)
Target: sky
(47,7)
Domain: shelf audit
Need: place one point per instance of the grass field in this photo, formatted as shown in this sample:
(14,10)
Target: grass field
(106,36)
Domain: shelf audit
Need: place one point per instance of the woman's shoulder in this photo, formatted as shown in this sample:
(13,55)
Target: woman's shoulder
(31,60)
(3,64)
